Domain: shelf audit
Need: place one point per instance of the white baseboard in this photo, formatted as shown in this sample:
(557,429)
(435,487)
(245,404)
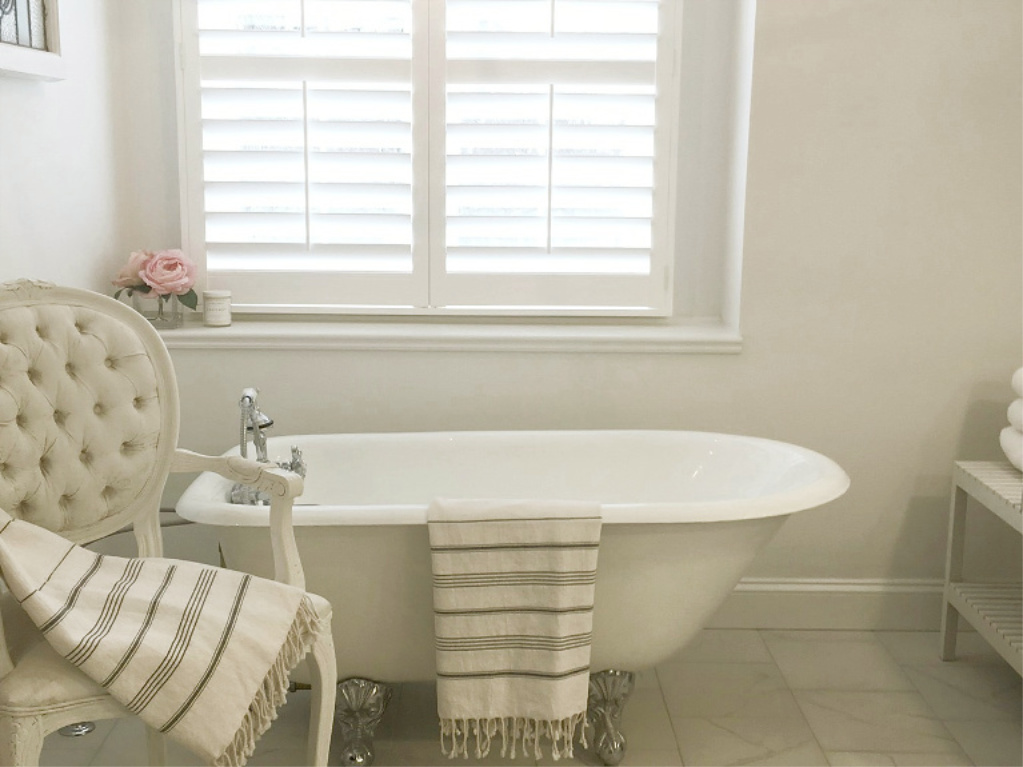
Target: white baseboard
(892,604)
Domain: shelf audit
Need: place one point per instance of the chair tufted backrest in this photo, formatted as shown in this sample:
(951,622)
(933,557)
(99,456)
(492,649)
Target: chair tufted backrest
(88,410)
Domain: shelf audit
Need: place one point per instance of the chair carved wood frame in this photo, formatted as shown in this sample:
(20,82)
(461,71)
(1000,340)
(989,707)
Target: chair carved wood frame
(89,419)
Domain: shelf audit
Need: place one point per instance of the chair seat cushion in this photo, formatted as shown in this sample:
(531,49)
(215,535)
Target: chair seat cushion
(42,679)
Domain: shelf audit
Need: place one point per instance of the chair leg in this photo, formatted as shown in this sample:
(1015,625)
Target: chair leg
(21,740)
(157,746)
(323,669)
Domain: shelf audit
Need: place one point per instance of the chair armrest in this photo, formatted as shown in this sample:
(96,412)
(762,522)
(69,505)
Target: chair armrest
(282,485)
(263,476)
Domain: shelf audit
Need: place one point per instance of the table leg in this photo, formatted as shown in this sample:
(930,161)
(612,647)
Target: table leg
(953,572)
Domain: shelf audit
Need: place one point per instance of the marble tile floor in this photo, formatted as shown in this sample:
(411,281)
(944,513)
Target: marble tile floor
(733,697)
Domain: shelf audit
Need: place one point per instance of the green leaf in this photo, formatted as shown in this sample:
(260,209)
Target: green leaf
(189,299)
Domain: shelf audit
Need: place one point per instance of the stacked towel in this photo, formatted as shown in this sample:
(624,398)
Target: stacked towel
(513,611)
(199,653)
(1011,437)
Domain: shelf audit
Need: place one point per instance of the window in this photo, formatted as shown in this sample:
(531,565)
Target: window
(446,157)
(30,39)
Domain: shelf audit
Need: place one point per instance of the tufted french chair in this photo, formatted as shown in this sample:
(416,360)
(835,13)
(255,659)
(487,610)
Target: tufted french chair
(88,434)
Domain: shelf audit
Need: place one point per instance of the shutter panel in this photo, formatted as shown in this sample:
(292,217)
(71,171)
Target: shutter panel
(551,115)
(307,146)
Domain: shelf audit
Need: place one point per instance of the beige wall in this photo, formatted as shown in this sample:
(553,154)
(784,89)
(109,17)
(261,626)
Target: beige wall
(882,277)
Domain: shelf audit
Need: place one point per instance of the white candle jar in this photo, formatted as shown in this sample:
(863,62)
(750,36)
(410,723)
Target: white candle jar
(216,308)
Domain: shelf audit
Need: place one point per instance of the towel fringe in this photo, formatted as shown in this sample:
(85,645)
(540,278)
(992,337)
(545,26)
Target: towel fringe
(271,694)
(516,733)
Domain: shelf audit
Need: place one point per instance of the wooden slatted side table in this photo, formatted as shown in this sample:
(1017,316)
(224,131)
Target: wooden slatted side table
(995,610)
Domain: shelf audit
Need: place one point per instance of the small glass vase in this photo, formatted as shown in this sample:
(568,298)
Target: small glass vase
(164,312)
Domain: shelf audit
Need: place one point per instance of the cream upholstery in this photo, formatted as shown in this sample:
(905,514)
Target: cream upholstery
(80,416)
(88,434)
(41,681)
(88,411)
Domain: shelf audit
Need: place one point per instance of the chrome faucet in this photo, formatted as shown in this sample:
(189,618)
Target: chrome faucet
(255,421)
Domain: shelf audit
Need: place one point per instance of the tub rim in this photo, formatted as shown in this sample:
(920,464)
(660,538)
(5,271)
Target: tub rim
(196,505)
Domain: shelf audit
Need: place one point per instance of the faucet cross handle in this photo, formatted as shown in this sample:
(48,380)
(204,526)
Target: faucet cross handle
(296,464)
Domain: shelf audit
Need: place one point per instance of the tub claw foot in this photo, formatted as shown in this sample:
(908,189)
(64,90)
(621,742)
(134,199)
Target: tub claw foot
(360,705)
(608,692)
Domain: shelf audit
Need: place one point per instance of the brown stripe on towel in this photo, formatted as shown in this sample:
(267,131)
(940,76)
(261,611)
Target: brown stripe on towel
(514,673)
(218,653)
(178,649)
(514,578)
(522,609)
(147,622)
(514,546)
(111,609)
(46,580)
(73,595)
(517,641)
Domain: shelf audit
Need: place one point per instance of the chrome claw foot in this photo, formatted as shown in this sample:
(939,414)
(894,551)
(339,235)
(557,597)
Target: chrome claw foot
(360,705)
(608,692)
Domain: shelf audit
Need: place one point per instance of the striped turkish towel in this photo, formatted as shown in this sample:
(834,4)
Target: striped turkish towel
(199,653)
(513,586)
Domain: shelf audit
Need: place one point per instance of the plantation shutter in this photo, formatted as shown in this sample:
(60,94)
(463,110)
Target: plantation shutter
(551,120)
(444,156)
(306,110)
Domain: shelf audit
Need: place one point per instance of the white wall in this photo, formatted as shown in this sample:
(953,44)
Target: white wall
(88,163)
(58,191)
(881,287)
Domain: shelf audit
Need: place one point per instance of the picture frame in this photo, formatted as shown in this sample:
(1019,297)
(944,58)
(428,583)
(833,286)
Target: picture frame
(20,60)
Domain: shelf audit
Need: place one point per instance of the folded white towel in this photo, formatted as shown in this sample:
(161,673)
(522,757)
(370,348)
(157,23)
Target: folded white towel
(513,611)
(1016,414)
(199,653)
(1017,382)
(1012,446)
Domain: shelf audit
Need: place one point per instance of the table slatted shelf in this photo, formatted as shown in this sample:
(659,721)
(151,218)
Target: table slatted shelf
(995,610)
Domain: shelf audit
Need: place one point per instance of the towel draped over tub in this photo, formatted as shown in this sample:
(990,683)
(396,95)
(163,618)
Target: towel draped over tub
(513,585)
(199,653)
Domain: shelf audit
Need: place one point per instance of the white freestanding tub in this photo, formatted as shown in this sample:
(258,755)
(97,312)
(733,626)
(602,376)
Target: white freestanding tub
(684,514)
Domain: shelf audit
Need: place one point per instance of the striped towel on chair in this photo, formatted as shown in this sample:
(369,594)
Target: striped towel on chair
(199,653)
(513,586)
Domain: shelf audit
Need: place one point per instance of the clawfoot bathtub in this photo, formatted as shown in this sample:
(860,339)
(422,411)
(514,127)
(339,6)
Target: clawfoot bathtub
(684,515)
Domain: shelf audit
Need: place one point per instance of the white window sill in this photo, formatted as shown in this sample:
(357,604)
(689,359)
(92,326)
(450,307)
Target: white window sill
(648,338)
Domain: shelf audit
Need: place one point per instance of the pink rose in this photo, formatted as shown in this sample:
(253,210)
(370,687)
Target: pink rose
(130,275)
(169,271)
